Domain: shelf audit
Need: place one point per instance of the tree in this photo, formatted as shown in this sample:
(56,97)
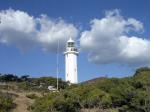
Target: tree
(24,78)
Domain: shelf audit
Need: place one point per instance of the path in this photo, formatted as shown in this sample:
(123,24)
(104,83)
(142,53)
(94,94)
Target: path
(21,101)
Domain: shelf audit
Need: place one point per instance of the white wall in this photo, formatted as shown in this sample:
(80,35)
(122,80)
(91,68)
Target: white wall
(71,67)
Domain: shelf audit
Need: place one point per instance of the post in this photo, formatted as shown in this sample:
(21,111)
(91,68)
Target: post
(57,62)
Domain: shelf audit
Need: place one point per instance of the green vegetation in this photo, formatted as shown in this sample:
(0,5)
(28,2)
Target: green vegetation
(32,96)
(129,94)
(25,87)
(6,102)
(31,84)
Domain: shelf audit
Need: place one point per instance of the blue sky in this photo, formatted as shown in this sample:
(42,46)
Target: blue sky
(85,20)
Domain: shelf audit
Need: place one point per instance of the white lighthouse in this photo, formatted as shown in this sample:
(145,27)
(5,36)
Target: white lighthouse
(71,54)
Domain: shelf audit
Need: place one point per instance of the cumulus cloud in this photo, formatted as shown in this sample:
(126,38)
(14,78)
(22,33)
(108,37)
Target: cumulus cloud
(25,31)
(108,41)
(52,31)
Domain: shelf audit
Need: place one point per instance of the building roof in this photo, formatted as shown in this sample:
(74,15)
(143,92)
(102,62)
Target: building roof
(70,40)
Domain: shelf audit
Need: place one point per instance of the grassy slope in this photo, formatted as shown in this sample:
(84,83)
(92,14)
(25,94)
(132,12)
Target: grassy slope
(104,89)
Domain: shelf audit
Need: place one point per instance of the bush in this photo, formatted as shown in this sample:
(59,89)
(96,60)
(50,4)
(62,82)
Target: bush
(130,94)
(6,103)
(32,96)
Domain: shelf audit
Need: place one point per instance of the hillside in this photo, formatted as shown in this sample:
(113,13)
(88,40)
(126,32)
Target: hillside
(129,94)
(17,94)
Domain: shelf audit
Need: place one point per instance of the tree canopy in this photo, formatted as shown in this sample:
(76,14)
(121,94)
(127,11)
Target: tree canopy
(129,94)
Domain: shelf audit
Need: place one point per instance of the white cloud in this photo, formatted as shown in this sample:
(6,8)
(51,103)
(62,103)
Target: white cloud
(24,31)
(135,50)
(53,30)
(108,42)
(17,28)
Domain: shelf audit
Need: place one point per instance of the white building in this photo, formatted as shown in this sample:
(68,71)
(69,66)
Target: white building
(52,88)
(71,54)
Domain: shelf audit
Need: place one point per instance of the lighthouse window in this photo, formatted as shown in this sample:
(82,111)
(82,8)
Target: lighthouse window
(73,49)
(71,44)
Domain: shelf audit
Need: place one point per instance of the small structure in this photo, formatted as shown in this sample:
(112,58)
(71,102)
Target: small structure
(51,88)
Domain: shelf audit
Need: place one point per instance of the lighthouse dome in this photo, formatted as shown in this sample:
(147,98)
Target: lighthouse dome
(70,40)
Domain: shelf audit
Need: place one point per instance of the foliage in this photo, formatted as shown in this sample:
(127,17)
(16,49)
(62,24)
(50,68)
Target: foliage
(6,103)
(32,96)
(8,78)
(26,83)
(142,71)
(130,94)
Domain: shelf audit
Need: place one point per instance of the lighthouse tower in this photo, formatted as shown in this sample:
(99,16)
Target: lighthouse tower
(71,62)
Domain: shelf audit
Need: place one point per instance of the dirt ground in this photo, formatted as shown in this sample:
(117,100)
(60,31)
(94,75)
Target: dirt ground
(21,101)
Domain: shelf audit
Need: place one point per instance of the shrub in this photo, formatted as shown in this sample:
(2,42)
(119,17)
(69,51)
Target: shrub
(32,96)
(6,103)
